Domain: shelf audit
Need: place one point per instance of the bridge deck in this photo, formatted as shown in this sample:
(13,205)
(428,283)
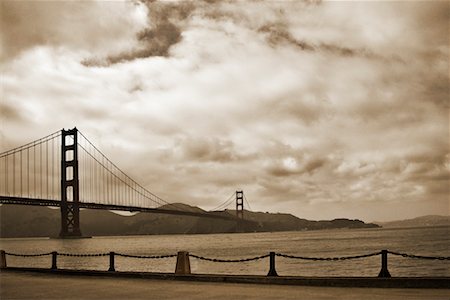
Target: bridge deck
(90,205)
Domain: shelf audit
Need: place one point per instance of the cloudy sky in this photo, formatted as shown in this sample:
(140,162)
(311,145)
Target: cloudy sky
(319,109)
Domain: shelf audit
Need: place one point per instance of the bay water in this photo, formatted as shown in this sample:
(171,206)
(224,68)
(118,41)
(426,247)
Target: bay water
(426,241)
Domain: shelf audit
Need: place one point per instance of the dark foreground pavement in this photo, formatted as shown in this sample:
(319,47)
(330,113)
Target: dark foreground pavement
(29,285)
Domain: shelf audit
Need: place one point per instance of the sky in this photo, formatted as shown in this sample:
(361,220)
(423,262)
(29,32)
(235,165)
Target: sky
(318,109)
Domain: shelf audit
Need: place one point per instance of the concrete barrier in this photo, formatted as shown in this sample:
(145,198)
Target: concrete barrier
(2,259)
(183,265)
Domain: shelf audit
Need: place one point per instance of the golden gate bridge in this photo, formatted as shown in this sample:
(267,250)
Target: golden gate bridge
(66,170)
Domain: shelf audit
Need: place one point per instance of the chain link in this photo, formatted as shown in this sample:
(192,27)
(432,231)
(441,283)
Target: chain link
(237,260)
(419,256)
(28,255)
(83,255)
(229,260)
(328,258)
(146,256)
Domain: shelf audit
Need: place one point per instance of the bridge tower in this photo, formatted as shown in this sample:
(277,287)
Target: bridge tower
(70,210)
(240,204)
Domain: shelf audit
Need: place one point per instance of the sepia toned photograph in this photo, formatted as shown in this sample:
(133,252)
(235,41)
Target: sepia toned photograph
(235,149)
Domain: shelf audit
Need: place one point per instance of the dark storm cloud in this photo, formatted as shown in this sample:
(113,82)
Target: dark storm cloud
(10,113)
(164,31)
(278,35)
(79,25)
(208,150)
(13,27)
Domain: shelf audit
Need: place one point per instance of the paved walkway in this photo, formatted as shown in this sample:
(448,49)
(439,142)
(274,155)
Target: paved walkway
(29,285)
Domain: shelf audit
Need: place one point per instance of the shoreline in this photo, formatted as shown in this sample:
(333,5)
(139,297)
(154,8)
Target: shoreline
(212,233)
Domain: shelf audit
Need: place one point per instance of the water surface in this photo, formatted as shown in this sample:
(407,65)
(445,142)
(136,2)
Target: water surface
(430,241)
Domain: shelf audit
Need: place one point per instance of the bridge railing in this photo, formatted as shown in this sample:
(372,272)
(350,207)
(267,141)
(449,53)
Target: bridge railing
(183,263)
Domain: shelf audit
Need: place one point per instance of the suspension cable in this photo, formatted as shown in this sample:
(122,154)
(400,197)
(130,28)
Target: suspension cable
(246,201)
(31,144)
(132,184)
(225,203)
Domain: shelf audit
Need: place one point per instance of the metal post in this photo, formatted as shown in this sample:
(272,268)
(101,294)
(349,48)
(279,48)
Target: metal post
(2,259)
(272,270)
(111,262)
(54,256)
(384,272)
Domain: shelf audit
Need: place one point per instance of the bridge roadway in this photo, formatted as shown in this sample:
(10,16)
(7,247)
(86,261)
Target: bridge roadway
(90,205)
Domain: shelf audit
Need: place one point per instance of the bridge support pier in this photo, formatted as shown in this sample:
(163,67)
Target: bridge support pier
(70,210)
(240,204)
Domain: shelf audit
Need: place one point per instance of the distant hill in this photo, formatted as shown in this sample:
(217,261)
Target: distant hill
(431,220)
(36,221)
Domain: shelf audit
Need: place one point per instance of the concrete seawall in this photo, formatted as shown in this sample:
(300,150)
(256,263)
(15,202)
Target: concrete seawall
(56,286)
(366,282)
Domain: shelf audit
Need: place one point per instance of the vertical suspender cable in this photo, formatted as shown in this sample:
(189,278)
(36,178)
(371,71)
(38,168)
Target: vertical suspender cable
(115,189)
(107,183)
(110,185)
(86,172)
(14,174)
(6,175)
(128,190)
(111,191)
(89,163)
(46,163)
(97,181)
(53,169)
(101,183)
(81,173)
(104,177)
(105,199)
(94,182)
(21,173)
(40,170)
(99,170)
(120,195)
(28,171)
(34,172)
(91,178)
(116,185)
(81,170)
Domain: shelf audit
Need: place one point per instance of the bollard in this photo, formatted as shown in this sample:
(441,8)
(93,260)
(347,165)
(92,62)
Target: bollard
(272,270)
(111,262)
(54,256)
(183,265)
(384,272)
(2,259)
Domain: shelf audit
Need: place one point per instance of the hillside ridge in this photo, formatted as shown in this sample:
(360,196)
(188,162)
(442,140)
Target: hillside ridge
(36,221)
